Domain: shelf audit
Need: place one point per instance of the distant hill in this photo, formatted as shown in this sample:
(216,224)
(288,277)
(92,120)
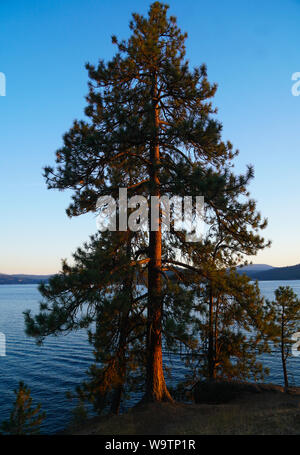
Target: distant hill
(263,272)
(253,268)
(260,272)
(23,279)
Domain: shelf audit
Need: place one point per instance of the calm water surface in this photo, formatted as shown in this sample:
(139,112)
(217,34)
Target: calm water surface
(60,364)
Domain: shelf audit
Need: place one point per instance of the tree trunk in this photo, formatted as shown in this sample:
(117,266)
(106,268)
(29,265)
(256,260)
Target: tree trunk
(156,389)
(116,400)
(122,366)
(286,382)
(211,350)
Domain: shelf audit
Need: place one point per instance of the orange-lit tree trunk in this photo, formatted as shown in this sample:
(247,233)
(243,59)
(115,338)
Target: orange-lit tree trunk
(156,389)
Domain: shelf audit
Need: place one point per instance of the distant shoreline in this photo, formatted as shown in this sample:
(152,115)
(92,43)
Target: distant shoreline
(23,279)
(13,283)
(259,272)
(269,273)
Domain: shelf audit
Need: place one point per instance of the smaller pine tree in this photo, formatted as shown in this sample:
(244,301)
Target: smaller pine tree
(285,311)
(24,419)
(233,328)
(79,414)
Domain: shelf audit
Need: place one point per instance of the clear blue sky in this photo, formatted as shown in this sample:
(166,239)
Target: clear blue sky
(251,48)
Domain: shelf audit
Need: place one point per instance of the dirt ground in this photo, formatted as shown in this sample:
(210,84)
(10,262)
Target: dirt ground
(270,412)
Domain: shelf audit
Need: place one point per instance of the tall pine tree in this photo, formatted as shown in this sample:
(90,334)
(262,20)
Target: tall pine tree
(151,123)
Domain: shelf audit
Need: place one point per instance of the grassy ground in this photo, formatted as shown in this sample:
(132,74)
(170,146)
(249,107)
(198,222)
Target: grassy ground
(265,413)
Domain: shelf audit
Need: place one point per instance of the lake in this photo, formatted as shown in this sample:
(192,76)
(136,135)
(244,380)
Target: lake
(60,364)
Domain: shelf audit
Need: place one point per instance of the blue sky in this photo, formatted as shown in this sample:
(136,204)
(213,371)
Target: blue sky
(251,49)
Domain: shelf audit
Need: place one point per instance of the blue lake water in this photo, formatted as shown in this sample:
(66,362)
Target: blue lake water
(60,364)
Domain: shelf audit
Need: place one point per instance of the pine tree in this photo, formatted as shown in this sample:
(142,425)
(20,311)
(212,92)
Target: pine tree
(24,419)
(229,310)
(233,328)
(152,130)
(89,295)
(118,337)
(285,313)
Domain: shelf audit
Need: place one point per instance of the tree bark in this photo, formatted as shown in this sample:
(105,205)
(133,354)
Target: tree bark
(116,400)
(286,382)
(211,350)
(156,389)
